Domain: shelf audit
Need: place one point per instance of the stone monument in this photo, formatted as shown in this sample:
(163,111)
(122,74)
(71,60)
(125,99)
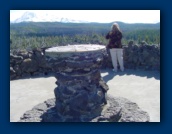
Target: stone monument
(80,95)
(81,90)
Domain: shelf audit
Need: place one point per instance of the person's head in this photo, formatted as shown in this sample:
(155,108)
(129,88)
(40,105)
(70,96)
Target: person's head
(115,27)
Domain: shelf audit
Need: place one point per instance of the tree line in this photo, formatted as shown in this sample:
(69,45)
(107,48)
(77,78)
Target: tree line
(30,35)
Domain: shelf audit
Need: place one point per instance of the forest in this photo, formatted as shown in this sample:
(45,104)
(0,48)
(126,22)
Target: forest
(28,35)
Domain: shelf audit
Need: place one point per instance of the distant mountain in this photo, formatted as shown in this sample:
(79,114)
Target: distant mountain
(33,17)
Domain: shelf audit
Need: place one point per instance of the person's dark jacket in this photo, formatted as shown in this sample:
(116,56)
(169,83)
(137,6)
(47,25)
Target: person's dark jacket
(114,39)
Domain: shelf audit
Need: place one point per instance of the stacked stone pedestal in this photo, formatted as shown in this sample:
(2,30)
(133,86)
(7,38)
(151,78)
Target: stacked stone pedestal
(80,95)
(81,90)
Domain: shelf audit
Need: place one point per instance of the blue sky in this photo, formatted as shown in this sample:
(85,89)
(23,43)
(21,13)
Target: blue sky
(104,16)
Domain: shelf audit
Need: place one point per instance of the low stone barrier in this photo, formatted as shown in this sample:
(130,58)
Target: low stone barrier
(145,57)
(28,63)
(33,63)
(142,56)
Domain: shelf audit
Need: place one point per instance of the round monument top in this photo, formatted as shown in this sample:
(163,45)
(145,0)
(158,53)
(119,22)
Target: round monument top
(75,48)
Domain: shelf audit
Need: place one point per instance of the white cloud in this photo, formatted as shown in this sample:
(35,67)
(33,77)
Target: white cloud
(129,16)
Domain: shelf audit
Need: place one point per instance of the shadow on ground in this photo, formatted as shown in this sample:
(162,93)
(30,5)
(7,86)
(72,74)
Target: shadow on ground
(110,74)
(37,76)
(142,73)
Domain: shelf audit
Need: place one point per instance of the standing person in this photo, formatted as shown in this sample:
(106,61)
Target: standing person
(115,46)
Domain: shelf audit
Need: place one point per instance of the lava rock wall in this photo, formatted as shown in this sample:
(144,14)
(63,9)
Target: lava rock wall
(32,63)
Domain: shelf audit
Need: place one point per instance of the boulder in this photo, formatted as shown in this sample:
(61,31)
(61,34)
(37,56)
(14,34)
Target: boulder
(23,53)
(12,73)
(39,56)
(18,70)
(29,65)
(14,59)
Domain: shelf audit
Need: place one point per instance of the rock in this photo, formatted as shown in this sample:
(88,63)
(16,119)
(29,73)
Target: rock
(12,74)
(134,60)
(17,70)
(14,59)
(144,43)
(29,65)
(40,58)
(32,116)
(103,85)
(130,44)
(23,53)
(12,70)
(145,54)
(25,75)
(79,102)
(142,57)
(118,109)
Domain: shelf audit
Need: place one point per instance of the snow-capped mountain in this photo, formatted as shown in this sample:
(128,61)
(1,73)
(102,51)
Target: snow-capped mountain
(34,17)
